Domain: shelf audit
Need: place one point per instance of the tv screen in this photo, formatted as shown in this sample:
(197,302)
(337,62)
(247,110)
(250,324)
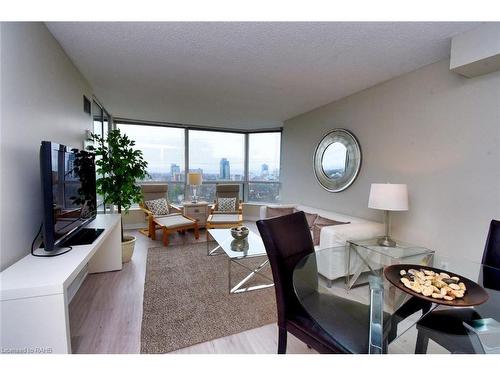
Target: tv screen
(69,191)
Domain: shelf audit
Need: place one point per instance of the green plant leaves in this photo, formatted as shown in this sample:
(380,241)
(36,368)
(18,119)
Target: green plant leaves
(119,166)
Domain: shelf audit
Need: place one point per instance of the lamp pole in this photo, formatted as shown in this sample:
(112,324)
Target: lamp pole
(387,241)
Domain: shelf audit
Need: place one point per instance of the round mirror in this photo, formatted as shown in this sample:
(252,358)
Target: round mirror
(334,160)
(337,160)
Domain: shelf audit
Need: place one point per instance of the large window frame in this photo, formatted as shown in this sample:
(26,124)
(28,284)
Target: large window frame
(243,183)
(102,124)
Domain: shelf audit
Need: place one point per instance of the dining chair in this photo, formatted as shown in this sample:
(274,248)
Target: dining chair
(287,240)
(445,327)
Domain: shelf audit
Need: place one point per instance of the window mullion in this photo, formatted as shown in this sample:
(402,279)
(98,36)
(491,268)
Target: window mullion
(246,169)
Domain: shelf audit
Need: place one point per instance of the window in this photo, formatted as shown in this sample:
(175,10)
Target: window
(163,149)
(219,156)
(264,151)
(101,126)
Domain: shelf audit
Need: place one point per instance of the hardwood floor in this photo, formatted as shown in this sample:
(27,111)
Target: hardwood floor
(106,313)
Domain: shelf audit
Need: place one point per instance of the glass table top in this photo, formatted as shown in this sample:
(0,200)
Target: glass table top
(252,246)
(380,318)
(401,250)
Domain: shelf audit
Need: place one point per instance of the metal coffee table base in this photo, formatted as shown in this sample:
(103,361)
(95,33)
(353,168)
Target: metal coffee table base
(239,287)
(215,251)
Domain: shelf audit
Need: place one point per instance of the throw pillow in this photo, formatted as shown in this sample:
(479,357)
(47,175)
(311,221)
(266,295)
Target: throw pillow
(157,206)
(309,217)
(278,211)
(319,223)
(226,204)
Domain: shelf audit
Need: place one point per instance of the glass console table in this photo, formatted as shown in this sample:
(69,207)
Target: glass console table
(366,255)
(392,321)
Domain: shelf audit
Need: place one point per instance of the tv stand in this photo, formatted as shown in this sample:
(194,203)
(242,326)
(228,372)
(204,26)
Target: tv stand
(85,236)
(34,294)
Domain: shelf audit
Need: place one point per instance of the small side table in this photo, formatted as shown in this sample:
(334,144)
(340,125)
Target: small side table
(367,255)
(198,210)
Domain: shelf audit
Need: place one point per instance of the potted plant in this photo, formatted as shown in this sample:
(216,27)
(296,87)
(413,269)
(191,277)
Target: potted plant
(119,166)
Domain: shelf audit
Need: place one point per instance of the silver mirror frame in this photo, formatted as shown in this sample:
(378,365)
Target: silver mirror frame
(353,164)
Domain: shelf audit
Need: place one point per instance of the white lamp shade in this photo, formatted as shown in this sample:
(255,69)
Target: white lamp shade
(195,179)
(390,197)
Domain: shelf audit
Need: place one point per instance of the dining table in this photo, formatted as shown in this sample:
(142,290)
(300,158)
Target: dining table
(393,321)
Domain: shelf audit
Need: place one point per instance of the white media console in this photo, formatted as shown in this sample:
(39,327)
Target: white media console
(35,292)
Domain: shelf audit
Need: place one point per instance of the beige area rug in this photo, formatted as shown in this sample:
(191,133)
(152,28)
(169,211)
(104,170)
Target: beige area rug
(186,299)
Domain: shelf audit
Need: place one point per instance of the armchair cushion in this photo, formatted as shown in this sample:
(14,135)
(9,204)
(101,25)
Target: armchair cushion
(174,221)
(224,218)
(157,206)
(226,204)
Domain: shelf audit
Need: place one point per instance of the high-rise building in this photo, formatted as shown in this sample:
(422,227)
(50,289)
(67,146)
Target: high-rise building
(264,170)
(175,172)
(225,170)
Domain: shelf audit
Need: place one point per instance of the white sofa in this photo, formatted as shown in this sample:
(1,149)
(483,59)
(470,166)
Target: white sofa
(334,265)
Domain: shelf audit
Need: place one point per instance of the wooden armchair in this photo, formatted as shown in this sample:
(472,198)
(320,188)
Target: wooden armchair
(150,192)
(227,191)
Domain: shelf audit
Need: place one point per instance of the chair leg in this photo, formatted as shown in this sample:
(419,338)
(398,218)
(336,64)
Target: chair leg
(151,229)
(165,237)
(422,343)
(282,340)
(196,231)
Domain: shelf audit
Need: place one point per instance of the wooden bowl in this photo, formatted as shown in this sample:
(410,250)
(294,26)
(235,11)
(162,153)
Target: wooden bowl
(474,295)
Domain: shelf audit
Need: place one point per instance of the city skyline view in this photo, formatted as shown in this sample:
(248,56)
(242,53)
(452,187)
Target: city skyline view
(163,147)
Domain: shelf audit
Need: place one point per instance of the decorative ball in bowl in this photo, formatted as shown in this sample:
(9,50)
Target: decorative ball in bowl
(239,233)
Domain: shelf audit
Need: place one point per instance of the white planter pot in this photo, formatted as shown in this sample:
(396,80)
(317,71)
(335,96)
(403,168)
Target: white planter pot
(128,248)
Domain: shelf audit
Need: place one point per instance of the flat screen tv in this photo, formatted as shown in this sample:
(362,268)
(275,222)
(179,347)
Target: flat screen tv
(69,192)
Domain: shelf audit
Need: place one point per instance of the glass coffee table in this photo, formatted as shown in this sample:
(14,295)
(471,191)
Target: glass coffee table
(238,253)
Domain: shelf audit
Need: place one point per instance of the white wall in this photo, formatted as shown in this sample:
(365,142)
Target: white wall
(432,129)
(42,99)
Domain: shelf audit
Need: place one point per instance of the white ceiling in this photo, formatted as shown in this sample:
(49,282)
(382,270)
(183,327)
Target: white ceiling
(247,75)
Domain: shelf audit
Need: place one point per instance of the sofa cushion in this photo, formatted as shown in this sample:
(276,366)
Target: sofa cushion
(279,211)
(331,214)
(157,206)
(309,217)
(321,222)
(339,234)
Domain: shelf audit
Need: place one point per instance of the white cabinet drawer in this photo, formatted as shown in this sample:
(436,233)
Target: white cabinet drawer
(193,211)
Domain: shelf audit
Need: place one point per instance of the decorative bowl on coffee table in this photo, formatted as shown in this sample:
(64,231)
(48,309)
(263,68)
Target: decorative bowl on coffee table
(239,233)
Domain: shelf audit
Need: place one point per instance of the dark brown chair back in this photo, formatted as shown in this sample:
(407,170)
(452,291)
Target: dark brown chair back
(490,277)
(491,255)
(287,240)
